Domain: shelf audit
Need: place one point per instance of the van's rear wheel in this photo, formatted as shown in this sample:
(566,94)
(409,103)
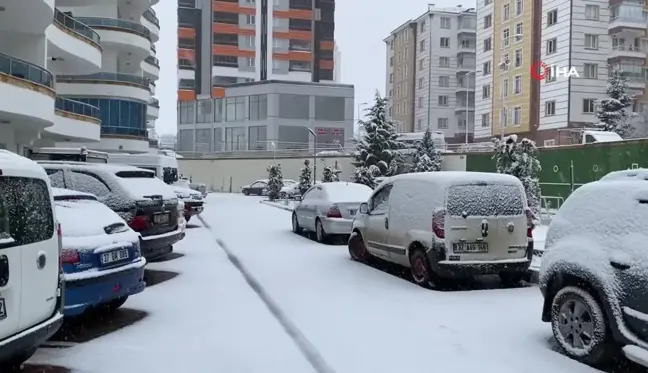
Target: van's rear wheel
(421,270)
(358,249)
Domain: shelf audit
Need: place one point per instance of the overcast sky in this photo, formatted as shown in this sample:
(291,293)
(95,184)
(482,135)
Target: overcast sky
(360,27)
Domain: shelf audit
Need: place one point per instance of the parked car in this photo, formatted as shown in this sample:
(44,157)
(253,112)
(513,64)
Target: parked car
(447,225)
(182,223)
(290,189)
(328,209)
(31,282)
(192,199)
(200,187)
(101,257)
(146,203)
(594,272)
(637,173)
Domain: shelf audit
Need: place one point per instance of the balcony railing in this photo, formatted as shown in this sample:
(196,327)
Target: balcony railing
(154,102)
(628,48)
(151,17)
(125,131)
(466,86)
(153,48)
(76,26)
(105,78)
(76,107)
(153,61)
(114,23)
(25,70)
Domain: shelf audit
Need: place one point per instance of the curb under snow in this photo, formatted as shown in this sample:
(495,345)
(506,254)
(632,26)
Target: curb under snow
(277,205)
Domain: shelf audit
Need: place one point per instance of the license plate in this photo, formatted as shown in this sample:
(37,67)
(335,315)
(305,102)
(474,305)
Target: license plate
(114,256)
(476,247)
(352,212)
(161,219)
(3,309)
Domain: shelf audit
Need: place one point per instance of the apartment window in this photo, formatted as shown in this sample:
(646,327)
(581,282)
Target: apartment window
(445,42)
(485,120)
(420,64)
(590,71)
(420,102)
(442,123)
(445,22)
(251,19)
(552,45)
(552,17)
(504,117)
(251,61)
(519,32)
(204,111)
(258,108)
(422,26)
(505,88)
(517,115)
(234,109)
(444,61)
(505,37)
(488,44)
(550,142)
(226,61)
(443,100)
(420,83)
(486,68)
(591,41)
(487,2)
(518,85)
(550,108)
(506,12)
(421,45)
(518,57)
(549,76)
(391,78)
(519,7)
(589,106)
(486,91)
(391,61)
(250,41)
(592,11)
(488,21)
(444,81)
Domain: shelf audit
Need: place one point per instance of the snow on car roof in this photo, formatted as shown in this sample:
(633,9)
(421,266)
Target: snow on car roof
(638,173)
(342,191)
(60,192)
(456,177)
(12,164)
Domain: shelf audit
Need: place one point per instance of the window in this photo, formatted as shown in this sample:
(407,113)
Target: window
(442,123)
(550,108)
(445,22)
(225,61)
(505,37)
(444,61)
(89,183)
(444,81)
(124,117)
(504,117)
(488,44)
(445,42)
(250,41)
(518,85)
(420,64)
(391,78)
(592,11)
(186,112)
(551,142)
(258,107)
(517,115)
(486,68)
(391,61)
(235,138)
(422,45)
(519,32)
(589,106)
(250,19)
(519,7)
(443,100)
(488,21)
(420,102)
(485,120)
(486,91)
(552,17)
(258,138)
(591,41)
(25,224)
(422,26)
(506,12)
(420,83)
(218,110)
(487,2)
(379,203)
(518,57)
(549,76)
(251,61)
(590,71)
(204,111)
(552,45)
(234,109)
(505,87)
(57,180)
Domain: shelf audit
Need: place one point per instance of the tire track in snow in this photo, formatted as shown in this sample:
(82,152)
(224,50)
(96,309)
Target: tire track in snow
(305,346)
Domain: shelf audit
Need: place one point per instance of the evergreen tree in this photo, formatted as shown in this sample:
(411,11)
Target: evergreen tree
(336,172)
(366,175)
(520,159)
(327,175)
(305,179)
(378,145)
(427,158)
(275,181)
(615,111)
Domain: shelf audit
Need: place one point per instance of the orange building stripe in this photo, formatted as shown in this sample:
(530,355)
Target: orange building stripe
(224,6)
(186,95)
(327,45)
(187,54)
(326,64)
(293,56)
(231,50)
(294,35)
(218,92)
(186,33)
(226,28)
(294,13)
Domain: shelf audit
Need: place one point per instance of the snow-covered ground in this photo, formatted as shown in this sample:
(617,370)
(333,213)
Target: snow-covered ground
(346,317)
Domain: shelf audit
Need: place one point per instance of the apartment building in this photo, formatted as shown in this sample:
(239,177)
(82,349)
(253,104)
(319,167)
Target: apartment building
(236,41)
(430,71)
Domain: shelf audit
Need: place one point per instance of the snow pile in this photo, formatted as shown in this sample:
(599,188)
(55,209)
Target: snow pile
(305,178)
(275,181)
(427,158)
(343,192)
(615,111)
(286,204)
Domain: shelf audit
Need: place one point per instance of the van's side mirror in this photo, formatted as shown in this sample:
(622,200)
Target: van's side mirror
(297,198)
(364,208)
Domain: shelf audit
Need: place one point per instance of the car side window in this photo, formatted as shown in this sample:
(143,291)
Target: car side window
(380,201)
(28,209)
(89,183)
(57,178)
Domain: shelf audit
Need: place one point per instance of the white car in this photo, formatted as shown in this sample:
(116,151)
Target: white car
(192,200)
(290,189)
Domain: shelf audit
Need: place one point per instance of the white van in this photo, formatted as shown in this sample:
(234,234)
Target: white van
(164,166)
(446,225)
(31,303)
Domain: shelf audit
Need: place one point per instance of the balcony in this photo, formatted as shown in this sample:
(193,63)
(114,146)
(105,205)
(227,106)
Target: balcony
(152,23)
(465,88)
(463,48)
(461,107)
(631,26)
(73,45)
(151,68)
(627,51)
(467,28)
(153,109)
(105,84)
(466,67)
(131,39)
(75,121)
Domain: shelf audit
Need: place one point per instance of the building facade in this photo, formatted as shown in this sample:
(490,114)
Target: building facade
(266,116)
(236,41)
(431,73)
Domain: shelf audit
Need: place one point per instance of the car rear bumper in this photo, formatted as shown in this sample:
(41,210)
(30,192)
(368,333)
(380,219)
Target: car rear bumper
(159,245)
(84,293)
(33,337)
(337,225)
(193,209)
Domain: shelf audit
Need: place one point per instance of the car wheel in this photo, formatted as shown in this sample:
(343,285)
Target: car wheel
(320,235)
(295,224)
(358,249)
(246,193)
(283,195)
(579,327)
(421,271)
(511,278)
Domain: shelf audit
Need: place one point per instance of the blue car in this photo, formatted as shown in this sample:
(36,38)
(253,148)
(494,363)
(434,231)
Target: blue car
(100,256)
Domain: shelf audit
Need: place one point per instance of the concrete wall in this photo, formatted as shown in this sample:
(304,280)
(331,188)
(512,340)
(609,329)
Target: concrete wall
(230,174)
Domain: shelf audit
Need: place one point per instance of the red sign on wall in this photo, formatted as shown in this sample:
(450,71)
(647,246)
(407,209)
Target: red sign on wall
(322,131)
(336,132)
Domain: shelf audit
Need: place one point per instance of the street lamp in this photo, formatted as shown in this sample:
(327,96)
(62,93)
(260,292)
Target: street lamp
(314,153)
(504,68)
(467,75)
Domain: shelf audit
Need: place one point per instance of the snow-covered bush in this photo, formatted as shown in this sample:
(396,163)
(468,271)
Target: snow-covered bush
(336,171)
(327,175)
(305,178)
(615,111)
(520,159)
(427,158)
(366,175)
(275,181)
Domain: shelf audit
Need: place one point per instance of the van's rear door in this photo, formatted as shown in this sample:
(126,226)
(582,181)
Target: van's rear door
(10,272)
(485,222)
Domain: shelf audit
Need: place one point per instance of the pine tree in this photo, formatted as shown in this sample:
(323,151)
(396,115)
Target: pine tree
(427,158)
(366,175)
(327,175)
(377,147)
(615,111)
(336,172)
(275,181)
(520,159)
(305,179)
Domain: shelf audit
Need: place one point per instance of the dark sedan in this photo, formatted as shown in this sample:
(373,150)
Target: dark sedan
(257,188)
